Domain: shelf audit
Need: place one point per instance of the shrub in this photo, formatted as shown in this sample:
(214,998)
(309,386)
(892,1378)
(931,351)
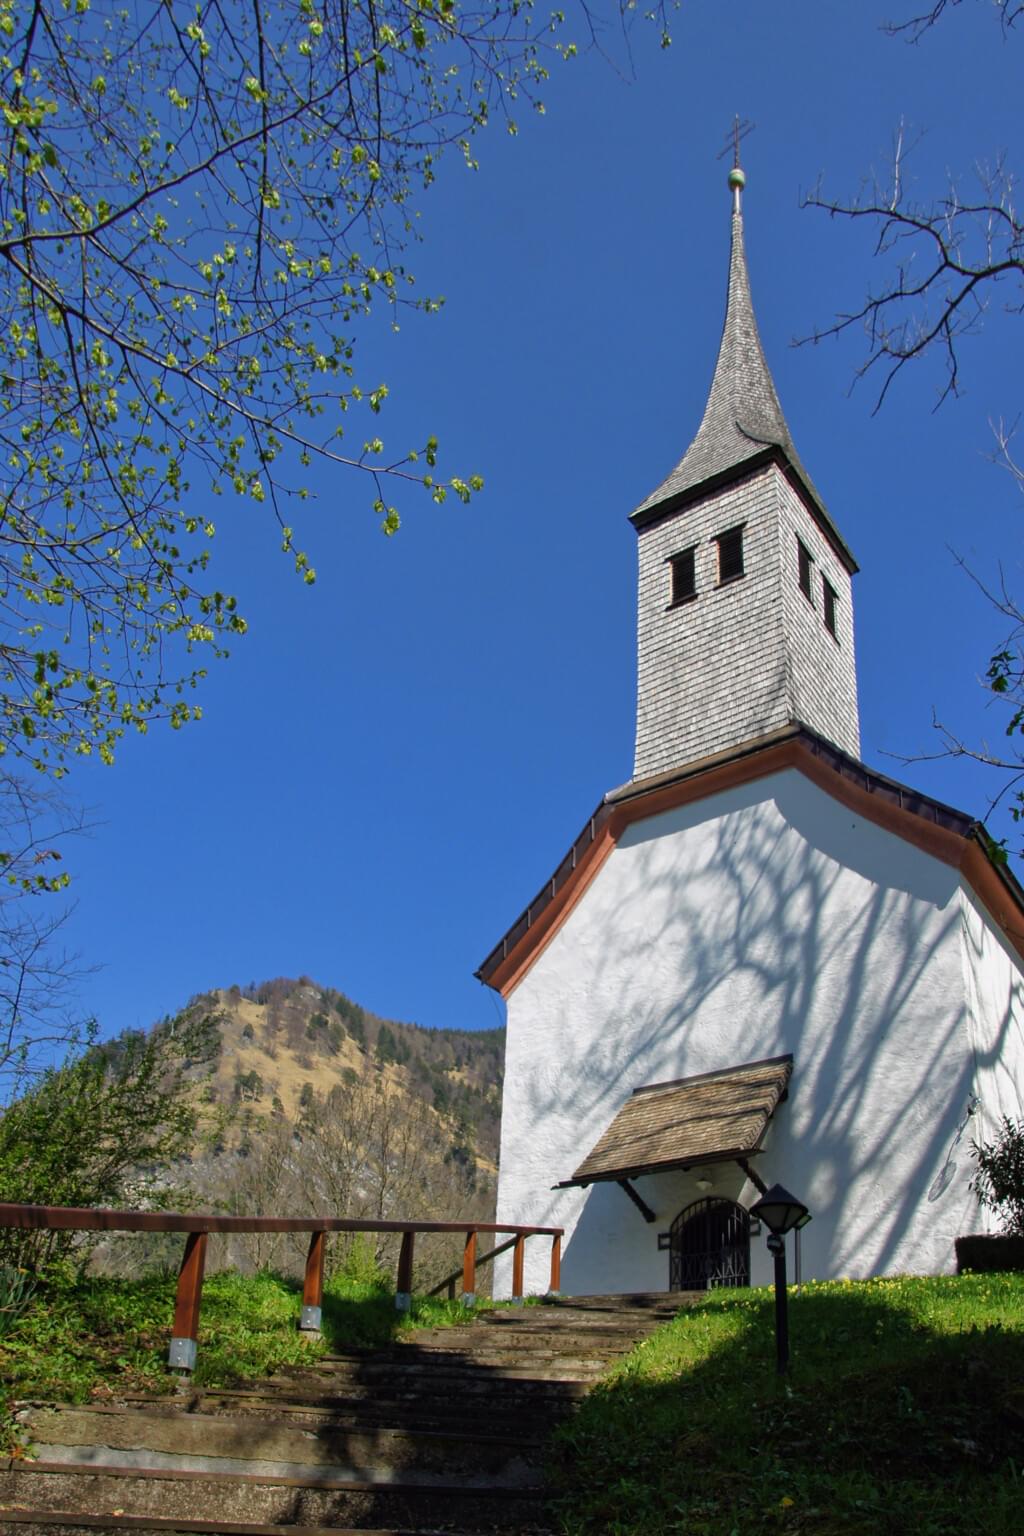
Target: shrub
(999,1181)
(97,1130)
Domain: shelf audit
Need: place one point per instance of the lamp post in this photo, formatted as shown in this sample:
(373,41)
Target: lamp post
(781,1212)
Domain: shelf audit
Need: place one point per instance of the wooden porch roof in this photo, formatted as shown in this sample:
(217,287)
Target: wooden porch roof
(710,1118)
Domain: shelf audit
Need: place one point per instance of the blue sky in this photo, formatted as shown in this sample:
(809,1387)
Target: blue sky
(393,761)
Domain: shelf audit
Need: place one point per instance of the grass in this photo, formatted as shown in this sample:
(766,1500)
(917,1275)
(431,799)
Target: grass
(903,1412)
(93,1338)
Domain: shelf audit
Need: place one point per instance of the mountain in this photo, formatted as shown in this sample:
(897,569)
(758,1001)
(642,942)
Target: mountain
(284,1041)
(313,1105)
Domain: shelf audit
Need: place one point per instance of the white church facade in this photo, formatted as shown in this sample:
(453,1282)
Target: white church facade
(761,962)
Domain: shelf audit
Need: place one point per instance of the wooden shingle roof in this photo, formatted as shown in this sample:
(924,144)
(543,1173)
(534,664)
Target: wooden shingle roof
(704,1119)
(743,420)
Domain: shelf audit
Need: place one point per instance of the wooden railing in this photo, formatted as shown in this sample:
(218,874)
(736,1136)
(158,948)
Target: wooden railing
(184,1340)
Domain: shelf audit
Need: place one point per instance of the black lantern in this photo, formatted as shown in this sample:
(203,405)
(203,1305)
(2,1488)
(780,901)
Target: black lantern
(781,1212)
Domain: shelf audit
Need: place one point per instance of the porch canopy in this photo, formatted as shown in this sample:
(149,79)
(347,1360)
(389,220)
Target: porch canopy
(713,1118)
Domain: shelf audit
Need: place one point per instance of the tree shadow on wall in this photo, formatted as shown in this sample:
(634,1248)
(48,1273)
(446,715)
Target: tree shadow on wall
(883,1425)
(783,926)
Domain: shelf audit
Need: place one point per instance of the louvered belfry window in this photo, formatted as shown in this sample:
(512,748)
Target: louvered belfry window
(684,576)
(804,563)
(730,555)
(829,600)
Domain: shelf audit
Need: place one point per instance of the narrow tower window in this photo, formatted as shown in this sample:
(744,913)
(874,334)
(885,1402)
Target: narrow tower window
(730,555)
(829,600)
(684,576)
(805,560)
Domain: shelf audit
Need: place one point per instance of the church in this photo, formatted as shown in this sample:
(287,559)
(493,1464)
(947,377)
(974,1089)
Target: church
(761,961)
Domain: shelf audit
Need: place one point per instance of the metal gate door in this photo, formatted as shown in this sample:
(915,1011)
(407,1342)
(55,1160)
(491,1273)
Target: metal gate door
(709,1246)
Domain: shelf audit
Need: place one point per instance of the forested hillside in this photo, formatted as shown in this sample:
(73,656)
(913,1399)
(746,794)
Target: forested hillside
(284,1043)
(314,1105)
(276,1098)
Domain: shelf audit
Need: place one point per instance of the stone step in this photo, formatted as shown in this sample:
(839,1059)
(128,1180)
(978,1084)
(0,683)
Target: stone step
(273,1501)
(454,1418)
(498,1357)
(447,1355)
(38,1522)
(321,1395)
(469,1343)
(100,1436)
(443,1432)
(583,1324)
(638,1301)
(448,1376)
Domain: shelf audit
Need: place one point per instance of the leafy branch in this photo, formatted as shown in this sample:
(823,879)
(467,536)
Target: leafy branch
(199,208)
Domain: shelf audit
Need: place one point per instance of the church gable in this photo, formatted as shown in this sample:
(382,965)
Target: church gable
(762,921)
(951,837)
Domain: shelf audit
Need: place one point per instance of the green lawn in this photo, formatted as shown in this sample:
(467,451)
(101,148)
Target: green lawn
(903,1412)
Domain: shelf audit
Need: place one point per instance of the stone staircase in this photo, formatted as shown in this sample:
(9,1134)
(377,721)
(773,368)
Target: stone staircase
(443,1432)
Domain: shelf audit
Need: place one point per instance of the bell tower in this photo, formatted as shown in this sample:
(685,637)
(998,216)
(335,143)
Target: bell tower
(745,611)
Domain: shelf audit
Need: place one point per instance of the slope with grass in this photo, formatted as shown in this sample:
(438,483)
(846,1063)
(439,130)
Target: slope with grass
(903,1412)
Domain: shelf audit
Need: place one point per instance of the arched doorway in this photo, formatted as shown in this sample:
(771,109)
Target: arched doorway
(709,1246)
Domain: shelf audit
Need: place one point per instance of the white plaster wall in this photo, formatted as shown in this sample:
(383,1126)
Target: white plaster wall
(995,1023)
(763,920)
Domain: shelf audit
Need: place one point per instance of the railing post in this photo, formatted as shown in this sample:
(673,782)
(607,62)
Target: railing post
(469,1271)
(313,1285)
(403,1290)
(517,1270)
(182,1354)
(554,1289)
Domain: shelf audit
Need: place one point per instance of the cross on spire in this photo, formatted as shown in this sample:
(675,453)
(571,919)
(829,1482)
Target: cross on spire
(739,130)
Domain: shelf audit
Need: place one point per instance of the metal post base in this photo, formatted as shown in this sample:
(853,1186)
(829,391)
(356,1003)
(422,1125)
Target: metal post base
(517,1301)
(469,1298)
(309,1320)
(403,1301)
(182,1355)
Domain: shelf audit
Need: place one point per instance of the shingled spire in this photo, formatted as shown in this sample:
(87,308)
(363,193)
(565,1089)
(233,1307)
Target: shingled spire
(745,611)
(743,418)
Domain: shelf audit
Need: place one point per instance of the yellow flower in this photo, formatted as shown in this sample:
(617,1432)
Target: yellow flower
(786,1503)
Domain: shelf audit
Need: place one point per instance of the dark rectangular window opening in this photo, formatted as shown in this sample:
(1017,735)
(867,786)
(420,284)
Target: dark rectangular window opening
(829,600)
(730,555)
(805,560)
(684,576)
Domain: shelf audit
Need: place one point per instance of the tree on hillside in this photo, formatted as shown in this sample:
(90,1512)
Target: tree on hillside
(104,1128)
(949,262)
(371,1151)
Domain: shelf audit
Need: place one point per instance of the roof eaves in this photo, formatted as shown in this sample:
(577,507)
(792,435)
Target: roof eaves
(731,1155)
(650,513)
(614,813)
